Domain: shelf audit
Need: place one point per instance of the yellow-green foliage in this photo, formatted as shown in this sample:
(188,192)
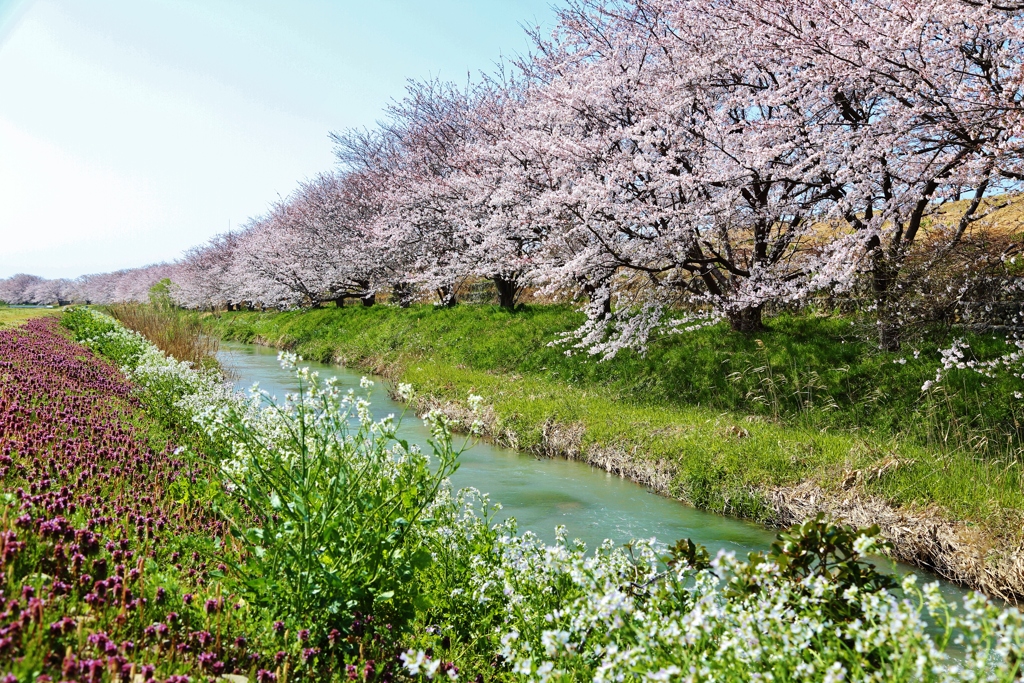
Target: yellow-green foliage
(18,316)
(172,332)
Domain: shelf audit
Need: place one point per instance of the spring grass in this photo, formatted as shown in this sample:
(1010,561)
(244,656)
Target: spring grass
(730,416)
(12,317)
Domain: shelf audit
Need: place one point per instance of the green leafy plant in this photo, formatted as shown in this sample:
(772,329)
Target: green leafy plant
(330,506)
(104,336)
(834,552)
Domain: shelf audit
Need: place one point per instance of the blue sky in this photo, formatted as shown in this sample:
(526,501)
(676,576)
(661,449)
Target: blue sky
(133,129)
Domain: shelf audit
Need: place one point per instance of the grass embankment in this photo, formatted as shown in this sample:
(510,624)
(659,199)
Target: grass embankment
(726,422)
(12,317)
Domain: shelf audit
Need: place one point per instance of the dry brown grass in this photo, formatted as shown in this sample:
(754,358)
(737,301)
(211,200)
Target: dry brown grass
(173,333)
(1001,216)
(967,554)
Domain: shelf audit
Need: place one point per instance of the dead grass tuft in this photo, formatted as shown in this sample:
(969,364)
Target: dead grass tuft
(175,334)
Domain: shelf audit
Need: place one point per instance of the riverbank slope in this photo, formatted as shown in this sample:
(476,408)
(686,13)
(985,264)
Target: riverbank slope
(13,317)
(802,418)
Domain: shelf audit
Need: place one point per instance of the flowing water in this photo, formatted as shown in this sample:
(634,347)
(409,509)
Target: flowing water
(541,493)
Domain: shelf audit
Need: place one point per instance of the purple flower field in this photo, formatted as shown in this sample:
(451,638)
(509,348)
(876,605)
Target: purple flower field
(102,569)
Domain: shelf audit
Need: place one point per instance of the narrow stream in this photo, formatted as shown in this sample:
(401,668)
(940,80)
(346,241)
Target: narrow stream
(541,493)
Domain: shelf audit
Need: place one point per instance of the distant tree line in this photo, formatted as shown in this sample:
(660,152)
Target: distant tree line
(132,284)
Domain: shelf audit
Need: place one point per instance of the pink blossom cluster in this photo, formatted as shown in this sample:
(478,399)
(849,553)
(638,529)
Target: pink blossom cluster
(103,288)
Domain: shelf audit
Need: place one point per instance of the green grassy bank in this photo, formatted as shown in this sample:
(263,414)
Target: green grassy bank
(12,317)
(720,416)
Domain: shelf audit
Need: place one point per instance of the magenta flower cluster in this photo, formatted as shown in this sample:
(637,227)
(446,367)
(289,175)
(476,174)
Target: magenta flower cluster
(89,566)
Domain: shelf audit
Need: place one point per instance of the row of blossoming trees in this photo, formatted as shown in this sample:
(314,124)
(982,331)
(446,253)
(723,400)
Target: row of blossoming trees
(668,162)
(132,284)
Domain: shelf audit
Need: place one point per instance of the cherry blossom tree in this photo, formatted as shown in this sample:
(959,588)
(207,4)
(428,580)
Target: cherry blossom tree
(15,289)
(313,247)
(416,148)
(60,292)
(920,111)
(498,188)
(685,174)
(370,160)
(204,277)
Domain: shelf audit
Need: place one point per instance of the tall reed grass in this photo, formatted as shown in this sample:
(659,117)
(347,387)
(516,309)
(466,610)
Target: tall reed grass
(173,332)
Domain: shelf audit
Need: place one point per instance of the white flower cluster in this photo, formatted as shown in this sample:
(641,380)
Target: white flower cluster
(203,398)
(955,357)
(620,614)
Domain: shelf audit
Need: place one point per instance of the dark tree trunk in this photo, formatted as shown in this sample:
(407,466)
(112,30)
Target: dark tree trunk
(446,296)
(507,292)
(888,334)
(401,293)
(367,296)
(882,279)
(339,302)
(746,320)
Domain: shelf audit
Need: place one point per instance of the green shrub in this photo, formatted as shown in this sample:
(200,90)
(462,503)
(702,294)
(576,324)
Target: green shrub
(330,507)
(104,336)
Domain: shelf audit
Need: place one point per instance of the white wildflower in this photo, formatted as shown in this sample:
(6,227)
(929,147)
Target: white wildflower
(835,673)
(865,545)
(523,666)
(413,660)
(405,391)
